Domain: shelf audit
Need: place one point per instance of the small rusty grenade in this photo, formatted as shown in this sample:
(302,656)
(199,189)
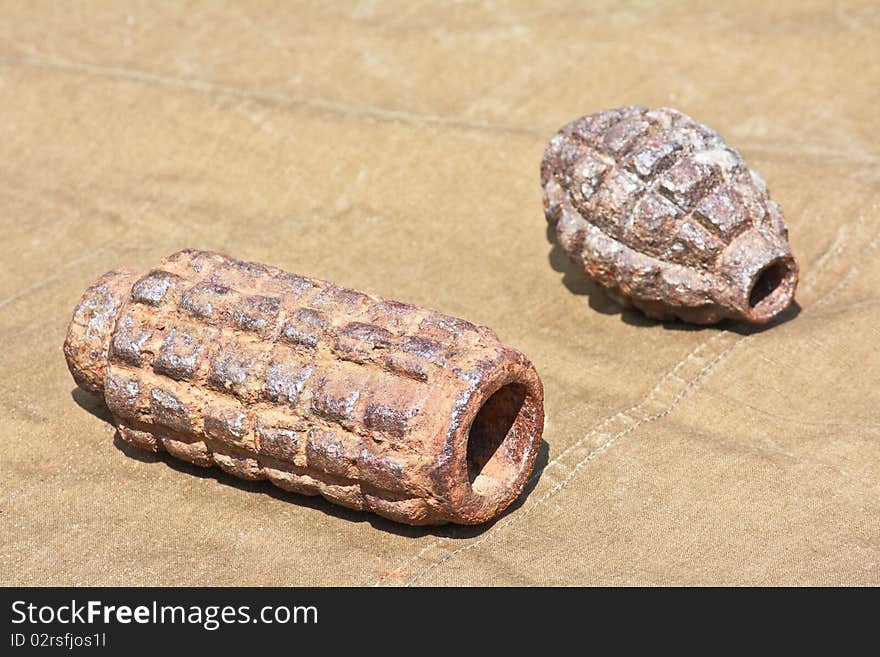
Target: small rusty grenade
(373,404)
(663,214)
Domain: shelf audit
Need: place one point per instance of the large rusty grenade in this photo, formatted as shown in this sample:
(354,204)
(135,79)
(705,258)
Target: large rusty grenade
(374,404)
(662,213)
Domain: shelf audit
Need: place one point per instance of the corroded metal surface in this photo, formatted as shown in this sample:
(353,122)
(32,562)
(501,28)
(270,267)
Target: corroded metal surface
(374,404)
(664,215)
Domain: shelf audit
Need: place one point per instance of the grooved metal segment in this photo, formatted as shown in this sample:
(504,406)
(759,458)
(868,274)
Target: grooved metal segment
(319,389)
(651,203)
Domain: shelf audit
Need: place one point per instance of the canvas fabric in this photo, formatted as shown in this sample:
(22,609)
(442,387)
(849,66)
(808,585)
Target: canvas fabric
(395,148)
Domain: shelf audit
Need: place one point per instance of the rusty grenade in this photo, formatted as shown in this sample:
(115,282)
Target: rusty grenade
(658,210)
(373,404)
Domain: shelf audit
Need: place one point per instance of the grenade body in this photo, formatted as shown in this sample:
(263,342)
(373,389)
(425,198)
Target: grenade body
(374,404)
(658,210)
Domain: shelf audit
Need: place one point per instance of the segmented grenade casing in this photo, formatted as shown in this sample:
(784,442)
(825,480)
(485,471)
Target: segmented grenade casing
(374,404)
(661,212)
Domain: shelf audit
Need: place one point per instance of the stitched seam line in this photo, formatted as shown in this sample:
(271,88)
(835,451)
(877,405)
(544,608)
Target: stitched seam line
(670,376)
(601,449)
(270,99)
(340,107)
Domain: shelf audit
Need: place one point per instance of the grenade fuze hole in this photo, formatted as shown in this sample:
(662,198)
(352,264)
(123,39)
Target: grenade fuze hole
(772,288)
(499,420)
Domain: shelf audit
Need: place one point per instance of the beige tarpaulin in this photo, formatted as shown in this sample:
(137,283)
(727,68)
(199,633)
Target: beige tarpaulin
(395,148)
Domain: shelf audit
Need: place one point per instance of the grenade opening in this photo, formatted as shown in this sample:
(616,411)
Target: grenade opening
(499,439)
(772,289)
(491,426)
